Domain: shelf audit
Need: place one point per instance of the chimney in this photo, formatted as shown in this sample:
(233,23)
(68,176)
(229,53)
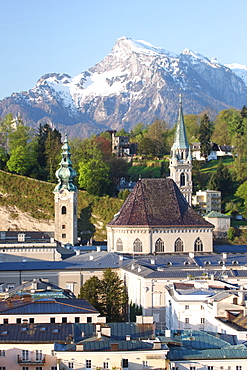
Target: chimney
(98,334)
(224,256)
(152,261)
(127,337)
(78,252)
(114,346)
(90,258)
(79,347)
(106,331)
(98,248)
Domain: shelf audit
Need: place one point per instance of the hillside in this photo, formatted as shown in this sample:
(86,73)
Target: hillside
(28,204)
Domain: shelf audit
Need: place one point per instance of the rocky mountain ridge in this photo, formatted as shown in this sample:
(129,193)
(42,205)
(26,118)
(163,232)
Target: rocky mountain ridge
(136,82)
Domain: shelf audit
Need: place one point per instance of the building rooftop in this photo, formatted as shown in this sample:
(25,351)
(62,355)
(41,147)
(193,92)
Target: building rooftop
(157,203)
(201,345)
(46,306)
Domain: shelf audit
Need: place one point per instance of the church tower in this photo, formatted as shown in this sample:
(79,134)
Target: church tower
(66,200)
(180,158)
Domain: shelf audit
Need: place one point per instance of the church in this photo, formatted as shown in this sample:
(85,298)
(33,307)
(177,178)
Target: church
(157,216)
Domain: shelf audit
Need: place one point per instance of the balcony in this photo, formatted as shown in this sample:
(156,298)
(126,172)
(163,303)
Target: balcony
(31,361)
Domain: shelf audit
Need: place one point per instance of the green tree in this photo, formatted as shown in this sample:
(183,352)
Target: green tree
(48,147)
(94,177)
(122,132)
(238,131)
(107,295)
(192,127)
(241,194)
(19,161)
(123,194)
(114,296)
(221,135)
(146,147)
(92,291)
(221,180)
(205,133)
(118,169)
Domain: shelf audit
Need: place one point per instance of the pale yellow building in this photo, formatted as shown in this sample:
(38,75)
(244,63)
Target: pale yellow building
(207,200)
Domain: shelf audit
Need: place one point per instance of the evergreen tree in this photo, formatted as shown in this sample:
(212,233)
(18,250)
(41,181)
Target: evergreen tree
(107,295)
(91,291)
(238,130)
(205,133)
(48,143)
(114,296)
(221,180)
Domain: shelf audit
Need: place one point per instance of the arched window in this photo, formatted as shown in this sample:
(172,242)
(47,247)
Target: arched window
(182,179)
(198,245)
(119,245)
(64,210)
(137,245)
(159,246)
(179,245)
(182,155)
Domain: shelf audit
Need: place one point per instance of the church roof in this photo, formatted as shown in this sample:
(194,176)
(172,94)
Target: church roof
(180,141)
(157,203)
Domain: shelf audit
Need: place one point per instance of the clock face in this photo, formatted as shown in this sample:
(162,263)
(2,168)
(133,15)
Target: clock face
(64,193)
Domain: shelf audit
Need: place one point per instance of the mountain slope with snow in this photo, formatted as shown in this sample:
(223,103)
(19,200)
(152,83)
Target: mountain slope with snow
(136,82)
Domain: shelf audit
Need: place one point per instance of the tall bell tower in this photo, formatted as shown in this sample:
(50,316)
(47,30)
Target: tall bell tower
(180,158)
(65,194)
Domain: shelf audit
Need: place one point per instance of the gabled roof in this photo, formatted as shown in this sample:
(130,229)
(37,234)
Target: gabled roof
(47,306)
(157,203)
(35,333)
(215,214)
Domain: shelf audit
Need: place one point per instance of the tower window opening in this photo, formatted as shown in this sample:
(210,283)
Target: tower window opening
(182,179)
(64,210)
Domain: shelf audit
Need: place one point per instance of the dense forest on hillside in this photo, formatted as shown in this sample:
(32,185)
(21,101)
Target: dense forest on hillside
(37,155)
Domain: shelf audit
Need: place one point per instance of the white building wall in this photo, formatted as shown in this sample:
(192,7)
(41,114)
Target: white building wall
(13,350)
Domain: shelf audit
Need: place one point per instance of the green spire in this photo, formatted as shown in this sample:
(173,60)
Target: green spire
(65,173)
(181,141)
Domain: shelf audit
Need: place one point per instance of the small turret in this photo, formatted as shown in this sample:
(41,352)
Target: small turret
(65,174)
(65,196)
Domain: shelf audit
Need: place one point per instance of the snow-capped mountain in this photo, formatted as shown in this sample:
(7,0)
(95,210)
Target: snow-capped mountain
(136,82)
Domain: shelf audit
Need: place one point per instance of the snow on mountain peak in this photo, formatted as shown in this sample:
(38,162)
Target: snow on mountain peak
(139,46)
(239,69)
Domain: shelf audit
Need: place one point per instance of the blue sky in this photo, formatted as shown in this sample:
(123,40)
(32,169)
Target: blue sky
(70,36)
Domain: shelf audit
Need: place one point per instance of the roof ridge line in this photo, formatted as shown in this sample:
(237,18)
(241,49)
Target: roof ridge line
(70,305)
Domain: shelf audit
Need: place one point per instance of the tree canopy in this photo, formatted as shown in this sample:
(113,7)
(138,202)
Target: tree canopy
(107,295)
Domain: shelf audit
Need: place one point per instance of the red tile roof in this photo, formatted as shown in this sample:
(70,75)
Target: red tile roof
(157,203)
